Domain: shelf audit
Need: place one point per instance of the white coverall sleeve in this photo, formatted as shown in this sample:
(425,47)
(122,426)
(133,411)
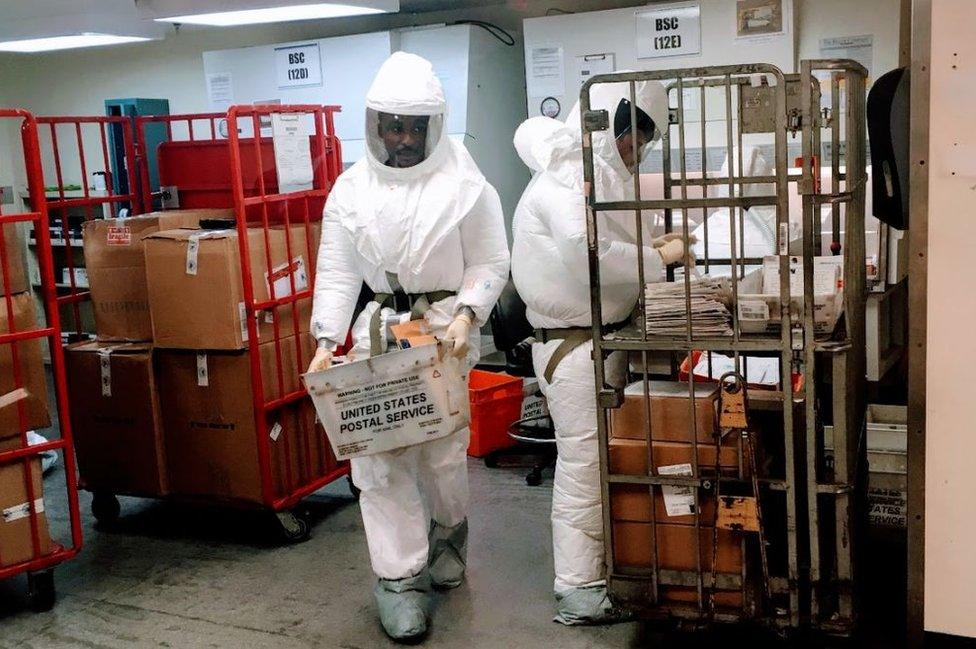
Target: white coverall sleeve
(618,259)
(486,258)
(338,278)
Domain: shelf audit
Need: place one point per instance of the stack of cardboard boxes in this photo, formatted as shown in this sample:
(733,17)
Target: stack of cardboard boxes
(163,402)
(25,410)
(668,532)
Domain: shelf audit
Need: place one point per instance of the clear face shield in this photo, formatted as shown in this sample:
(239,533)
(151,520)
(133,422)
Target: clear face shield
(633,132)
(401,140)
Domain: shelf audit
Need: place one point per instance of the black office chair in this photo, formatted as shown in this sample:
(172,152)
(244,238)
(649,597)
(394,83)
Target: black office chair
(536,436)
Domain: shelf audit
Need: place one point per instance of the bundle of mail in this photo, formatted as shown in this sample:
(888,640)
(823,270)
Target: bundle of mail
(666,312)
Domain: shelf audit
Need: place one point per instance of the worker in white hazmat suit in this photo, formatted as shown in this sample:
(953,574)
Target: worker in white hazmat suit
(418,223)
(754,228)
(550,270)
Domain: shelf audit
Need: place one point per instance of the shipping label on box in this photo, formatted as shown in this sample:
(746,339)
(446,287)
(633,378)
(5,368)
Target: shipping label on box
(399,399)
(678,501)
(118,236)
(281,276)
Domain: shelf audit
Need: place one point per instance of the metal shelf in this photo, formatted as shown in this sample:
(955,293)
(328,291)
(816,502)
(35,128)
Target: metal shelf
(617,342)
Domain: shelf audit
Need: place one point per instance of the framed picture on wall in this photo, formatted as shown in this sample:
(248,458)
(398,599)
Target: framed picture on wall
(759,18)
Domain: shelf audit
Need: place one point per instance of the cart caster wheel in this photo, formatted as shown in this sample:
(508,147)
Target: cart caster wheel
(491,461)
(353,489)
(40,590)
(534,479)
(294,528)
(105,508)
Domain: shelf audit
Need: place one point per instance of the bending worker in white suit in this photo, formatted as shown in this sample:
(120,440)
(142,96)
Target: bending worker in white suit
(416,220)
(551,273)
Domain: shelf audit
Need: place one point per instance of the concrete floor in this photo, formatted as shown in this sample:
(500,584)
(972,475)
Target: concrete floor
(175,576)
(169,575)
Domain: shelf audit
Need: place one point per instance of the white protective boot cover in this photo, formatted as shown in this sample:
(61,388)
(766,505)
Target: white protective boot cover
(577,513)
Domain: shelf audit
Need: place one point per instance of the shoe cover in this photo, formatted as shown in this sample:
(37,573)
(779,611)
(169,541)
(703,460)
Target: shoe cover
(403,605)
(448,554)
(587,605)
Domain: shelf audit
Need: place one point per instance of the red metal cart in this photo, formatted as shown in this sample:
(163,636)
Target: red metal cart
(214,160)
(25,537)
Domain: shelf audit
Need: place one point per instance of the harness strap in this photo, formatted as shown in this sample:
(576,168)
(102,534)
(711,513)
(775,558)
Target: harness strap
(571,337)
(420,304)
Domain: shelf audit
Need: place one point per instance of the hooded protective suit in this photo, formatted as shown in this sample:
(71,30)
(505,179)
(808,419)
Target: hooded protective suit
(550,270)
(430,228)
(755,235)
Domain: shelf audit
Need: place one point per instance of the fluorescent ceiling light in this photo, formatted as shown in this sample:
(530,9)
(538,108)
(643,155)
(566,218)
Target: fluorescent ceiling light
(273,15)
(67,42)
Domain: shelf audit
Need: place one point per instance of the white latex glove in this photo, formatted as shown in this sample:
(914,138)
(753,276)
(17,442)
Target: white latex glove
(660,241)
(321,361)
(673,251)
(457,335)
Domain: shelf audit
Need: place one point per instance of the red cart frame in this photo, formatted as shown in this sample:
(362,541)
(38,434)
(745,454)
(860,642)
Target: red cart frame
(40,576)
(238,172)
(61,202)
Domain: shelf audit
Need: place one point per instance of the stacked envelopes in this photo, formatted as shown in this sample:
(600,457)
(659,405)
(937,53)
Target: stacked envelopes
(666,312)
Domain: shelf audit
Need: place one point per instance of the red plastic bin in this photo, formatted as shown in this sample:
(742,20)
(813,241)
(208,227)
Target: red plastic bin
(797,379)
(496,403)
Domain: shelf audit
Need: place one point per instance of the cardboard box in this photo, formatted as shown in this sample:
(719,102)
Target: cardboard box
(197,298)
(307,446)
(209,421)
(630,502)
(117,269)
(629,456)
(13,243)
(689,595)
(16,536)
(670,415)
(634,547)
(32,374)
(115,418)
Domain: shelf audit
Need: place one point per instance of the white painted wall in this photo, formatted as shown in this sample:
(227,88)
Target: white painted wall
(818,19)
(613,31)
(950,445)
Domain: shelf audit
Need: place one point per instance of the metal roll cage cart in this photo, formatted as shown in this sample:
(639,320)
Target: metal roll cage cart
(799,570)
(13,346)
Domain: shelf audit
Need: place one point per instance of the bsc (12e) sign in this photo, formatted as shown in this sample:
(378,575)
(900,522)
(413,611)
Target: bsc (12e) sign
(669,30)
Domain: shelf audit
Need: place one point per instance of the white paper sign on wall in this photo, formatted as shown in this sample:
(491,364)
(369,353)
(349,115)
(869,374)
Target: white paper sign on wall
(298,65)
(669,30)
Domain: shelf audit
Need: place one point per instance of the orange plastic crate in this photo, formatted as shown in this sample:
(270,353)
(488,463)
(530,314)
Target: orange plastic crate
(496,403)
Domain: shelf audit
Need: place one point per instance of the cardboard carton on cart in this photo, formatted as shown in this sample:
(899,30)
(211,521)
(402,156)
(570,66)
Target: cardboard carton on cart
(116,268)
(16,537)
(669,410)
(398,399)
(207,402)
(115,418)
(13,240)
(196,294)
(32,375)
